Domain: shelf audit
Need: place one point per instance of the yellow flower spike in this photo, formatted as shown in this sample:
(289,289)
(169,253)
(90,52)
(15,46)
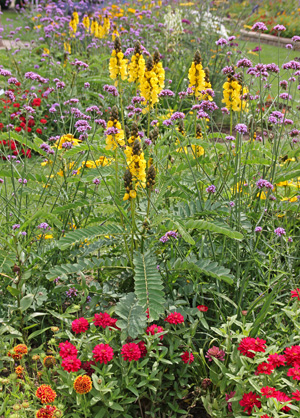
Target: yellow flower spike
(136,68)
(117,63)
(232,92)
(197,75)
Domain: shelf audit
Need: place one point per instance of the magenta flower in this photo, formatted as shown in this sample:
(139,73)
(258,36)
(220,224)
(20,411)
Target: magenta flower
(280,231)
(215,352)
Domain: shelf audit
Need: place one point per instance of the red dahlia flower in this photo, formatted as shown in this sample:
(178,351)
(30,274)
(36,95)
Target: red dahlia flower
(71,364)
(155,329)
(86,366)
(143,349)
(175,318)
(43,121)
(67,350)
(250,400)
(130,352)
(187,357)
(104,320)
(39,131)
(296,395)
(268,392)
(276,360)
(292,354)
(80,325)
(103,353)
(249,346)
(295,372)
(36,102)
(202,308)
(282,397)
(265,368)
(215,352)
(295,293)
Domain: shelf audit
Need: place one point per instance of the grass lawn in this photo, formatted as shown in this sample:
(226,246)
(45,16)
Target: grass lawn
(268,53)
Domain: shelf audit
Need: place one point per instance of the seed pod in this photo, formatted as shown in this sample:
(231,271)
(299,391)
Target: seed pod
(114,113)
(151,176)
(156,57)
(206,383)
(117,45)
(136,149)
(134,130)
(149,64)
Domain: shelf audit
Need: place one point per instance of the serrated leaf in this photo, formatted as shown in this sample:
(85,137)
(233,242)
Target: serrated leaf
(133,317)
(80,235)
(216,227)
(148,284)
(206,267)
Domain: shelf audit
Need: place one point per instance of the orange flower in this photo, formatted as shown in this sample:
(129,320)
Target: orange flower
(46,412)
(49,362)
(83,384)
(19,370)
(46,394)
(14,356)
(21,349)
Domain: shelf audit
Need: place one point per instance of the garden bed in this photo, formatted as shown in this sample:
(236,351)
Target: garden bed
(268,39)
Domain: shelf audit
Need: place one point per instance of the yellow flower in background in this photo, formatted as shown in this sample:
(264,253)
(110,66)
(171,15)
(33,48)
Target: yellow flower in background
(136,68)
(115,139)
(66,138)
(47,236)
(150,85)
(197,75)
(46,51)
(159,70)
(117,63)
(289,199)
(67,47)
(94,27)
(106,25)
(75,17)
(86,23)
(73,28)
(232,92)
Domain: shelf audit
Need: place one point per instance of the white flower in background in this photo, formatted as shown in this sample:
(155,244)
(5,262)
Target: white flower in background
(173,25)
(210,23)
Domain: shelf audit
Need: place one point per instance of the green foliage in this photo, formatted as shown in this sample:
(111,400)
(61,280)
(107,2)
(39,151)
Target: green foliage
(148,284)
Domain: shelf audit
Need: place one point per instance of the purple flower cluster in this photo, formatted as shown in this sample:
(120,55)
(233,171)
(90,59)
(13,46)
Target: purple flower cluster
(82,126)
(44,226)
(177,115)
(208,106)
(111,90)
(279,231)
(168,235)
(211,189)
(264,183)
(244,63)
(72,292)
(166,92)
(241,128)
(34,76)
(111,131)
(100,122)
(259,26)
